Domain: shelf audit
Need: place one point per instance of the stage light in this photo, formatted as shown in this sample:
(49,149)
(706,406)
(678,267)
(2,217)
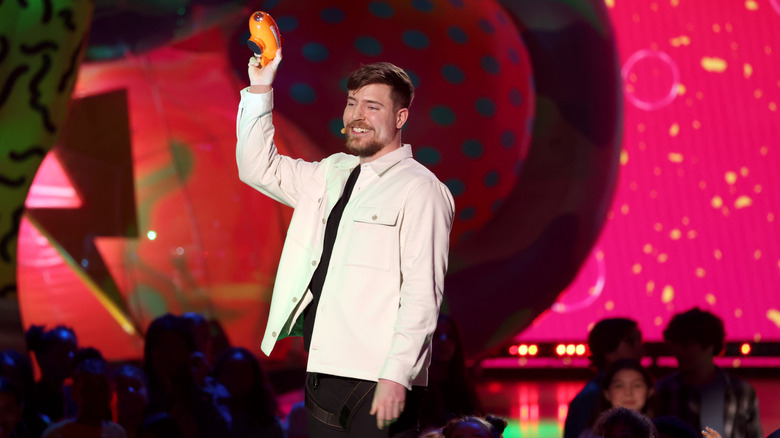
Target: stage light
(570,349)
(580,350)
(560,349)
(523,350)
(745,349)
(533,350)
(513,350)
(151,235)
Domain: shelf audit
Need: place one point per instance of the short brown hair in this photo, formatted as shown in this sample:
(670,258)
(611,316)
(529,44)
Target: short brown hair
(388,74)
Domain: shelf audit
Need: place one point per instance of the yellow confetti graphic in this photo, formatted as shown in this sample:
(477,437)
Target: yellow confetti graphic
(681,40)
(747,70)
(738,313)
(757,254)
(718,254)
(637,268)
(609,305)
(675,234)
(624,209)
(696,124)
(674,129)
(710,299)
(774,316)
(744,171)
(751,5)
(667,295)
(663,258)
(609,3)
(692,234)
(772,106)
(674,3)
(742,202)
(700,272)
(713,65)
(681,89)
(758,94)
(648,248)
(730,177)
(717,202)
(623,157)
(675,157)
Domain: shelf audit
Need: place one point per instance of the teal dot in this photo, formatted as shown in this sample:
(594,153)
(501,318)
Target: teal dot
(513,56)
(501,17)
(518,167)
(485,107)
(508,139)
(381,9)
(515,97)
(315,52)
(428,156)
(456,186)
(303,93)
(332,15)
(422,5)
(458,35)
(491,179)
(270,4)
(334,126)
(486,26)
(496,205)
(453,74)
(468,213)
(472,148)
(415,39)
(442,115)
(457,3)
(490,64)
(287,23)
(368,45)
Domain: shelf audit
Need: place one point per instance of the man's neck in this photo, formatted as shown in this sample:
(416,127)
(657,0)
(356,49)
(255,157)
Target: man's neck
(384,151)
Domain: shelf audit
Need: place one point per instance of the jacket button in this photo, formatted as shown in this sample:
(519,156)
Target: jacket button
(314,262)
(323,220)
(373,217)
(295,299)
(273,334)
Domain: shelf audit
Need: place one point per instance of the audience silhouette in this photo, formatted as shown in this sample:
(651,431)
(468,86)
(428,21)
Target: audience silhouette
(624,423)
(54,351)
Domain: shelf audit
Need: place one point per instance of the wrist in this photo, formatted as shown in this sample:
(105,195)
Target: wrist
(259,89)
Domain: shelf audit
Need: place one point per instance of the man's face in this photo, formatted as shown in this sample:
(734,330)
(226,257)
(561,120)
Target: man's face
(371,121)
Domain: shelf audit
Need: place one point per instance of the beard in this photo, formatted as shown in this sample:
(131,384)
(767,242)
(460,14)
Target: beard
(369,149)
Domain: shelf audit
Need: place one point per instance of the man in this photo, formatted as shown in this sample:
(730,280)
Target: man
(609,340)
(699,392)
(362,269)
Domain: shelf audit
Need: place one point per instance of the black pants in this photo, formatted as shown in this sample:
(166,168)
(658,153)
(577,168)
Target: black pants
(329,393)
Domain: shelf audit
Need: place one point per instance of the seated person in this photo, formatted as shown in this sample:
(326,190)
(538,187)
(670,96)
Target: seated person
(474,427)
(699,392)
(609,340)
(624,423)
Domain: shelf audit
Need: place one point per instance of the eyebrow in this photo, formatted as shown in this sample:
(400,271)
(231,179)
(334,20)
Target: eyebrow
(375,102)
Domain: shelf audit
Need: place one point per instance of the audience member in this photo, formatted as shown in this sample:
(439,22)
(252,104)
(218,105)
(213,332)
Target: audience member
(54,351)
(252,404)
(160,425)
(132,397)
(699,392)
(626,384)
(92,392)
(474,427)
(11,423)
(609,340)
(201,360)
(624,423)
(295,423)
(17,368)
(167,363)
(450,393)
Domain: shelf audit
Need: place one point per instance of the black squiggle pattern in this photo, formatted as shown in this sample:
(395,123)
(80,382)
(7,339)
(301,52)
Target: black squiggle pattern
(35,94)
(3,45)
(43,45)
(14,183)
(5,242)
(47,12)
(67,19)
(31,151)
(7,289)
(71,70)
(9,84)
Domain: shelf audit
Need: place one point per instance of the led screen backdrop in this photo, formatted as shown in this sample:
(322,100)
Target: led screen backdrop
(695,218)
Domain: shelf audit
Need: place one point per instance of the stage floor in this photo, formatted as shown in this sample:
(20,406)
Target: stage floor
(537,409)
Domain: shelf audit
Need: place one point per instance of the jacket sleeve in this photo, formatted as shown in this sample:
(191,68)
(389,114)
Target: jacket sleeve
(259,163)
(424,250)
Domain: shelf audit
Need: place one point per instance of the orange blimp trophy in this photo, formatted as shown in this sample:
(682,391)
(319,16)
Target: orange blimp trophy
(265,37)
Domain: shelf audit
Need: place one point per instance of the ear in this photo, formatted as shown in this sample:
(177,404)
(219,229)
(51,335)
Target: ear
(606,396)
(401,116)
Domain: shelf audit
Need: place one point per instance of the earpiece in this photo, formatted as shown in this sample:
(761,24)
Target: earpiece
(343,130)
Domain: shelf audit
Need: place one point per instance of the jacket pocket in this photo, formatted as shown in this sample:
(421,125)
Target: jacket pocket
(374,238)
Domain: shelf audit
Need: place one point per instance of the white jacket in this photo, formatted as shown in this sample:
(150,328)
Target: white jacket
(383,289)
